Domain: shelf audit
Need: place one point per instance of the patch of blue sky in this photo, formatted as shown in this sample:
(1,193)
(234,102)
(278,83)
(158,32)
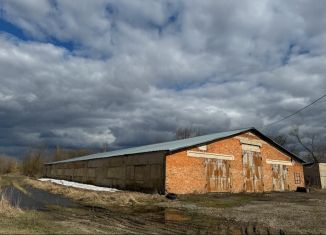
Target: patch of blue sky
(12,29)
(303,51)
(189,85)
(290,51)
(19,33)
(287,54)
(69,45)
(110,9)
(171,19)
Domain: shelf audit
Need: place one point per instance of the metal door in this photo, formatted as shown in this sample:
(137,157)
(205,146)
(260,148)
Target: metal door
(280,173)
(252,171)
(217,175)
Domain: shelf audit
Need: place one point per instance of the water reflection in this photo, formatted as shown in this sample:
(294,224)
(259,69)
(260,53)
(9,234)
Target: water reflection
(175,215)
(142,219)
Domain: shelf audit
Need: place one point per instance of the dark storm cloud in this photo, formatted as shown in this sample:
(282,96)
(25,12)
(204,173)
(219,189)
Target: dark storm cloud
(131,72)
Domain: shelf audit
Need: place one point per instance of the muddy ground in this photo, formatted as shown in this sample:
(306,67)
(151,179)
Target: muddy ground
(52,209)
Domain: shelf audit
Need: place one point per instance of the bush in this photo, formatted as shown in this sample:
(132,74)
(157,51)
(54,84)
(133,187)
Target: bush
(33,164)
(8,165)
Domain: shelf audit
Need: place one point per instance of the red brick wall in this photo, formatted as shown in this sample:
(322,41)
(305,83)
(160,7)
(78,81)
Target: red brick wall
(186,174)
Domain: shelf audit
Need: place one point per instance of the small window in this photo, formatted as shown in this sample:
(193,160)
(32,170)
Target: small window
(297,178)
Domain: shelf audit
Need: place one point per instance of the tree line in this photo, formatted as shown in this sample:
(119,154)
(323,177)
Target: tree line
(33,161)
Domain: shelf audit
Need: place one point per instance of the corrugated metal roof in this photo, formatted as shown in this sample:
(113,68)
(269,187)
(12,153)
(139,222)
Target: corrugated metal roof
(165,146)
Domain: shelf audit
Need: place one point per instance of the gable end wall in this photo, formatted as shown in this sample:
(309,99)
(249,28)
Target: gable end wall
(185,174)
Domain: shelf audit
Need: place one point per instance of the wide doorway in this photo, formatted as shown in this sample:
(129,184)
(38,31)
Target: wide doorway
(252,171)
(218,175)
(280,173)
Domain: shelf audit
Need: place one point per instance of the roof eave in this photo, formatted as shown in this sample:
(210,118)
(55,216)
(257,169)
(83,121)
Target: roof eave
(64,161)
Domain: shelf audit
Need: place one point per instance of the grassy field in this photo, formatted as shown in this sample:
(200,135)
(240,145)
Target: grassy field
(63,210)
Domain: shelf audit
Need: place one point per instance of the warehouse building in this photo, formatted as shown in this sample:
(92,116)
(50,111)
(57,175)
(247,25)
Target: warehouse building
(235,161)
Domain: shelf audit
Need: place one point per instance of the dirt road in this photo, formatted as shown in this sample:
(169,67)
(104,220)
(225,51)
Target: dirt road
(125,220)
(268,213)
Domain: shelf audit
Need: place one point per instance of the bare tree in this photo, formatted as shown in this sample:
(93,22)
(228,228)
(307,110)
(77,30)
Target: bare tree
(105,147)
(33,162)
(186,132)
(310,144)
(57,154)
(63,154)
(286,141)
(280,139)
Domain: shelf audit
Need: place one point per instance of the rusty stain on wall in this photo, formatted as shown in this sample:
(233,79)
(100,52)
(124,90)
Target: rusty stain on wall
(217,175)
(186,174)
(252,171)
(280,173)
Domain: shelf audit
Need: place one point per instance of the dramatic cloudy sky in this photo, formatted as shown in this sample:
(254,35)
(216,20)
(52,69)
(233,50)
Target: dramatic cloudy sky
(129,72)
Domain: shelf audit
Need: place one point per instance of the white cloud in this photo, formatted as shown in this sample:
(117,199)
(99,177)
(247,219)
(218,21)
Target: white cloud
(140,69)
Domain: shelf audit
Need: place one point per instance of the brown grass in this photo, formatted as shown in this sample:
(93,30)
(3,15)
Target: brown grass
(101,199)
(6,209)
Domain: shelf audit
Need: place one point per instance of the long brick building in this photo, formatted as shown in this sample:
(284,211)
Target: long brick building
(235,161)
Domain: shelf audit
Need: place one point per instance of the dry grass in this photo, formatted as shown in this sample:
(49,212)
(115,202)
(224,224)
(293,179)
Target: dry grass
(101,199)
(6,208)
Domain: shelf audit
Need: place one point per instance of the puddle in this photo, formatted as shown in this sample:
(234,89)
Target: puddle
(201,224)
(181,221)
(158,220)
(34,199)
(175,215)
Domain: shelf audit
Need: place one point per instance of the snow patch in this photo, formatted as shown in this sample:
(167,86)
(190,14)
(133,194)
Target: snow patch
(78,185)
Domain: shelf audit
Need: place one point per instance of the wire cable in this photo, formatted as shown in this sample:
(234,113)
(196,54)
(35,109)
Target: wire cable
(296,112)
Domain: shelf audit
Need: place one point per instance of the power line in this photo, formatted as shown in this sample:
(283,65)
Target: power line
(296,112)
